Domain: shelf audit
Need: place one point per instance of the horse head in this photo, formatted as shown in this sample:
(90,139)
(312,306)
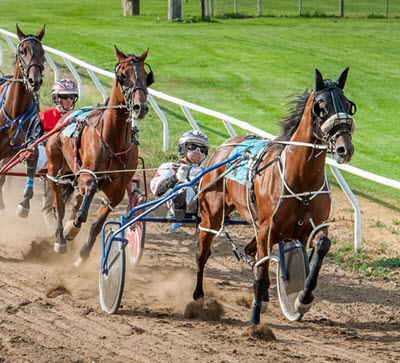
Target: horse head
(30,58)
(332,116)
(133,79)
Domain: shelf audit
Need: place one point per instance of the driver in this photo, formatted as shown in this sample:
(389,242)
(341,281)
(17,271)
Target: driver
(192,149)
(64,95)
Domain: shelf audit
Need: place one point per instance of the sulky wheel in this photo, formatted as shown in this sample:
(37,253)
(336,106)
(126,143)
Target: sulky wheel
(136,232)
(111,282)
(297,269)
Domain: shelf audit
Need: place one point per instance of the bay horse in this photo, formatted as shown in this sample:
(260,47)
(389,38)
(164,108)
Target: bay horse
(292,196)
(19,96)
(107,144)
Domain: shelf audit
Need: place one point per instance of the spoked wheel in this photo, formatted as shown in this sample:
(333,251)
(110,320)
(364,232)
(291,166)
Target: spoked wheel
(136,232)
(297,269)
(111,282)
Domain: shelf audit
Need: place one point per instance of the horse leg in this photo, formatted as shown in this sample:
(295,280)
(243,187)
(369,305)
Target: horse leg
(24,207)
(72,227)
(305,297)
(60,245)
(202,255)
(95,229)
(261,282)
(2,180)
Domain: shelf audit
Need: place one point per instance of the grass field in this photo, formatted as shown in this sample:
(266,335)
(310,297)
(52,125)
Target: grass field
(245,68)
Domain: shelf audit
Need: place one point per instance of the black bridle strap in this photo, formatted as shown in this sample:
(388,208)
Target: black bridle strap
(22,64)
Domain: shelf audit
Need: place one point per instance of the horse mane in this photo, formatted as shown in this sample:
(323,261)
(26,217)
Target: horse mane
(291,121)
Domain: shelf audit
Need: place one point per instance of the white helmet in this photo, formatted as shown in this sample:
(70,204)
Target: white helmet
(64,87)
(193,137)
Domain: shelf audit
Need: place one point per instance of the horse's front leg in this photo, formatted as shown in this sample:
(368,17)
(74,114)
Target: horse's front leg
(95,229)
(202,255)
(305,297)
(73,226)
(261,282)
(23,207)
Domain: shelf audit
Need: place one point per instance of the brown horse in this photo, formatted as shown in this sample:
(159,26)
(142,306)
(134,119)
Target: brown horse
(107,144)
(19,96)
(292,198)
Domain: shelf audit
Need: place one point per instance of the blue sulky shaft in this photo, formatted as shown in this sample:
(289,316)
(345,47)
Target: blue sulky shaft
(126,221)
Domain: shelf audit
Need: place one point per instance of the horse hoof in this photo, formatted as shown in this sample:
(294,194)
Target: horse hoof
(22,211)
(60,248)
(79,262)
(70,231)
(300,307)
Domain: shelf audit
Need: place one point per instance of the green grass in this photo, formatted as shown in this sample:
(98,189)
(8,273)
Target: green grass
(243,67)
(366,264)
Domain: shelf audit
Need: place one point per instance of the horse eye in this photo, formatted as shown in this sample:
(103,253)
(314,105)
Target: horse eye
(123,75)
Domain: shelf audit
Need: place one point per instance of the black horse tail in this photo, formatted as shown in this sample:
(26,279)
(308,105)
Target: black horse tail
(48,200)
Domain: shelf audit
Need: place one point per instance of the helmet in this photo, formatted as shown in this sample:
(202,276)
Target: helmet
(192,137)
(64,87)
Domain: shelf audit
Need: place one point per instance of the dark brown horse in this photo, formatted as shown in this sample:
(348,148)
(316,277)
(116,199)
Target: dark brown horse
(292,197)
(107,144)
(19,96)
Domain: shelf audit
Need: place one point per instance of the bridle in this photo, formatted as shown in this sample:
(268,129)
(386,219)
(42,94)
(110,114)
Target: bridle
(341,122)
(128,92)
(23,66)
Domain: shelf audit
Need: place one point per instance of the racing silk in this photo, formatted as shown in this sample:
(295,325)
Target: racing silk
(165,180)
(50,118)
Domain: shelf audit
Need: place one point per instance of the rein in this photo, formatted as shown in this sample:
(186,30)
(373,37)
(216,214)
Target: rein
(20,119)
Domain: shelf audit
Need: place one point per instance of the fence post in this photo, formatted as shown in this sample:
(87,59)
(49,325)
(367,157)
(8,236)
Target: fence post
(174,9)
(300,6)
(341,8)
(235,4)
(259,8)
(131,7)
(387,9)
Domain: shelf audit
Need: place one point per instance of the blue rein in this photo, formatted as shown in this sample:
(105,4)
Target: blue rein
(20,119)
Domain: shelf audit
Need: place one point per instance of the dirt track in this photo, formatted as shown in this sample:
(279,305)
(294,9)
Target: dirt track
(50,312)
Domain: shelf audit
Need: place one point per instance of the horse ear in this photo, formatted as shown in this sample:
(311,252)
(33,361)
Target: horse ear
(121,56)
(319,81)
(20,34)
(40,34)
(341,81)
(144,55)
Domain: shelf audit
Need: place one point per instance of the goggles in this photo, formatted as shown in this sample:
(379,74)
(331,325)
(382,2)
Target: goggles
(66,97)
(194,147)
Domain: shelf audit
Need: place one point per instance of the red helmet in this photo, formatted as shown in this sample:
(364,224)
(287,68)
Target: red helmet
(64,87)
(192,137)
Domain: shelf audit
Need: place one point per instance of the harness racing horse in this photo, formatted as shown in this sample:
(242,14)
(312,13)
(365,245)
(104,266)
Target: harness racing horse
(19,96)
(107,144)
(292,196)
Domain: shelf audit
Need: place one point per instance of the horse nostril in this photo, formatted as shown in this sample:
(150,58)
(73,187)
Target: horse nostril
(136,108)
(31,81)
(341,151)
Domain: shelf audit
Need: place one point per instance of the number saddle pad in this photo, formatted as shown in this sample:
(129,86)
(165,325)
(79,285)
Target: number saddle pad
(241,173)
(74,117)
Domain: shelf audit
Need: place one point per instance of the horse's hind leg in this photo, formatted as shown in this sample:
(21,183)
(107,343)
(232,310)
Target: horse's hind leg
(305,297)
(2,180)
(60,245)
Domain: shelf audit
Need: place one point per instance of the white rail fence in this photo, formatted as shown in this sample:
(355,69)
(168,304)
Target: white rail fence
(228,121)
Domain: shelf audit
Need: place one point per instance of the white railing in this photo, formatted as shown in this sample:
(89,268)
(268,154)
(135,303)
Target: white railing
(228,121)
